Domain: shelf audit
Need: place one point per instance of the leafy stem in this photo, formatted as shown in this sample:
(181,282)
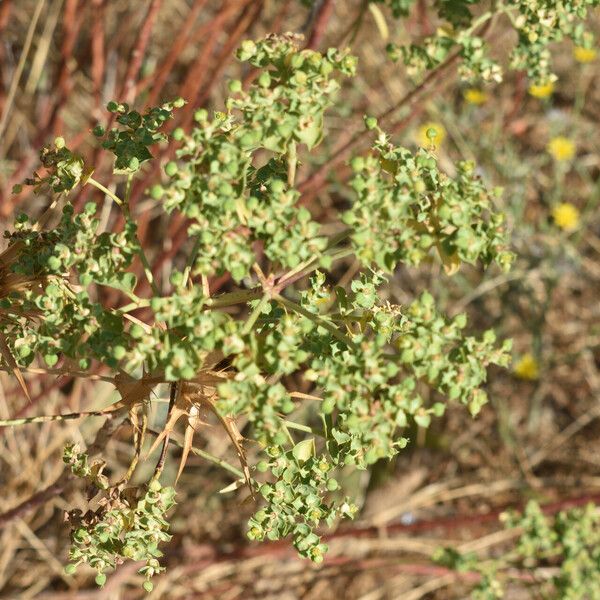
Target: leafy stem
(315,319)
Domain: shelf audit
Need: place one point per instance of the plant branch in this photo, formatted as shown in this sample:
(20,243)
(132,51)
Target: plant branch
(105,190)
(206,455)
(315,319)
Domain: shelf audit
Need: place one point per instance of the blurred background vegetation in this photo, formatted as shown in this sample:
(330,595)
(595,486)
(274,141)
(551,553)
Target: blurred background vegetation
(62,60)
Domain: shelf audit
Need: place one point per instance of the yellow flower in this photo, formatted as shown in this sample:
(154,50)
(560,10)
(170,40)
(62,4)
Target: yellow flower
(475,96)
(424,140)
(566,216)
(584,55)
(561,148)
(542,91)
(527,367)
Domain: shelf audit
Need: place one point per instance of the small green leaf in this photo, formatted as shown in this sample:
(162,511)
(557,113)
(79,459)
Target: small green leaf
(304,450)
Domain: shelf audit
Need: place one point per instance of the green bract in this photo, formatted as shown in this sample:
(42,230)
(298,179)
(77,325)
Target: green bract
(130,143)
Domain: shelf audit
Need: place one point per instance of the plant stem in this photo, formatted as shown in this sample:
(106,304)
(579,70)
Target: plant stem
(232,298)
(315,319)
(47,418)
(174,391)
(255,314)
(190,262)
(110,194)
(128,191)
(300,427)
(138,440)
(141,303)
(206,455)
(148,271)
(125,206)
(292,161)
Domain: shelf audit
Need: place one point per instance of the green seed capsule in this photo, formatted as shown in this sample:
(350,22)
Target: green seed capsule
(277,187)
(119,352)
(100,579)
(201,115)
(156,192)
(357,163)
(155,486)
(136,331)
(187,372)
(300,77)
(54,263)
(235,86)
(264,80)
(171,169)
(326,68)
(420,186)
(332,485)
(178,134)
(371,123)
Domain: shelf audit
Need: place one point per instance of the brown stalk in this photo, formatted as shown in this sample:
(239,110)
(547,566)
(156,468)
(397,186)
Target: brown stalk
(159,78)
(340,154)
(5,9)
(137,54)
(65,84)
(321,21)
(98,50)
(248,17)
(198,72)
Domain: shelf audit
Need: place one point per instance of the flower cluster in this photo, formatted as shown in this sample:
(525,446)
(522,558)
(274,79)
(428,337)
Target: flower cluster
(406,206)
(296,503)
(569,540)
(125,526)
(130,143)
(538,24)
(242,203)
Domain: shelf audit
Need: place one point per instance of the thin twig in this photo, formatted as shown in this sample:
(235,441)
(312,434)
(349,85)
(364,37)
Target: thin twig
(139,48)
(174,390)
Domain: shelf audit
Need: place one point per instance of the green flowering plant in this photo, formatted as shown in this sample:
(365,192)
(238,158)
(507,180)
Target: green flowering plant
(537,24)
(321,375)
(559,553)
